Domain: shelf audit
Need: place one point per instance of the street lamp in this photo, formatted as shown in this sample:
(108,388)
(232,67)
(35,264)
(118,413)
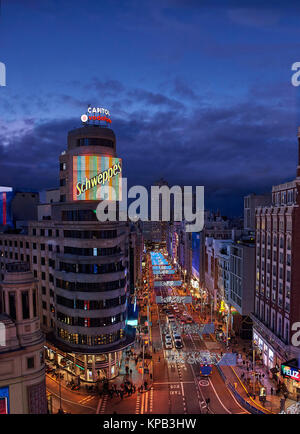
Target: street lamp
(60,403)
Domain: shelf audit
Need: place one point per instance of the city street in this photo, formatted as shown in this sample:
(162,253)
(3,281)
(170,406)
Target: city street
(177,385)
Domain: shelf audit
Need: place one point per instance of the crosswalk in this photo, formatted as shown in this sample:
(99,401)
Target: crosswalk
(102,405)
(144,402)
(86,399)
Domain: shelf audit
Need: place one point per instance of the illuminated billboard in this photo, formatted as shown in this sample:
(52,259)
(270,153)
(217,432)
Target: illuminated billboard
(97,177)
(290,372)
(4,400)
(5,207)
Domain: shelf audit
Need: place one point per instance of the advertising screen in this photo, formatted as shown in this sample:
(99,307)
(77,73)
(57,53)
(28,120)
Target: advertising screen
(97,177)
(4,400)
(5,207)
(290,372)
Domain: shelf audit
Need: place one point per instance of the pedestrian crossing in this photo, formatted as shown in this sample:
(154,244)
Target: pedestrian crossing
(102,405)
(86,399)
(144,402)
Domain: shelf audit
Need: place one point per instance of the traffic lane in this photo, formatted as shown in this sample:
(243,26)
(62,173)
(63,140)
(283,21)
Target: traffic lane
(72,402)
(221,390)
(206,387)
(207,391)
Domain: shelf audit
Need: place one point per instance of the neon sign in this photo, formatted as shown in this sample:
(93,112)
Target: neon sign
(97,177)
(101,178)
(290,372)
(94,115)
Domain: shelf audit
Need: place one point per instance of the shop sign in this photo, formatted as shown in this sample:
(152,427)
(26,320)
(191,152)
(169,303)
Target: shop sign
(290,372)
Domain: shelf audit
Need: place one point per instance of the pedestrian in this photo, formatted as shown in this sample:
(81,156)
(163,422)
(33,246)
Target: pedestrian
(271,390)
(121,394)
(159,358)
(130,371)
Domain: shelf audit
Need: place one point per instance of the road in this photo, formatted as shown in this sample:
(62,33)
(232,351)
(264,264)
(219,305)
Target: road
(177,385)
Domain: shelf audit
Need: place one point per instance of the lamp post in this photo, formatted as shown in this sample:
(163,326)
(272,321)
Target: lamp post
(143,362)
(59,385)
(254,376)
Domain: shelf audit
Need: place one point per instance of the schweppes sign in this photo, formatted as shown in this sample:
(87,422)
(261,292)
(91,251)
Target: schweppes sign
(99,179)
(91,173)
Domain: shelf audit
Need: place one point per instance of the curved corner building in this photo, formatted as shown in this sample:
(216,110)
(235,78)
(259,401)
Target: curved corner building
(90,261)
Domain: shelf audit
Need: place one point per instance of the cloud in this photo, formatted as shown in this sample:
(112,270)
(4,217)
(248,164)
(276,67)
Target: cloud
(231,149)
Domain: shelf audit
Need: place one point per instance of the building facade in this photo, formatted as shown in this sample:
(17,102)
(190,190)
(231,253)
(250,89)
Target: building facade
(22,364)
(81,264)
(277,294)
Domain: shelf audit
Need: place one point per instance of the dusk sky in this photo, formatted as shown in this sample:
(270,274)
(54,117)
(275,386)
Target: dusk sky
(199,93)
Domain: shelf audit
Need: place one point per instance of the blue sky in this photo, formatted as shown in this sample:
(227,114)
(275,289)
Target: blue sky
(199,93)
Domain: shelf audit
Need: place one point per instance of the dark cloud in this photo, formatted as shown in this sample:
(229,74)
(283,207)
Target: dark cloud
(156,99)
(231,150)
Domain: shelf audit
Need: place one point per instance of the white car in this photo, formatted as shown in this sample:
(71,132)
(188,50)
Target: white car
(168,345)
(168,338)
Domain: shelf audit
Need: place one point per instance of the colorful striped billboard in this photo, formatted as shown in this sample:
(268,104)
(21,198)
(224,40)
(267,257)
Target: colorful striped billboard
(5,207)
(97,177)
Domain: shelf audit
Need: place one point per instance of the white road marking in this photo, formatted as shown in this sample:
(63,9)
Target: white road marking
(226,409)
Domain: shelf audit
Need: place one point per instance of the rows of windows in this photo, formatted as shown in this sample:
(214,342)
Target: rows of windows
(79,215)
(90,286)
(27,245)
(90,304)
(285,197)
(90,322)
(91,268)
(95,141)
(75,338)
(105,234)
(81,251)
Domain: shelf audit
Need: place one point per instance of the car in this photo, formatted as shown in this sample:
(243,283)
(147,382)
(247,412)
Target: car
(177,336)
(178,344)
(168,338)
(168,345)
(171,318)
(189,320)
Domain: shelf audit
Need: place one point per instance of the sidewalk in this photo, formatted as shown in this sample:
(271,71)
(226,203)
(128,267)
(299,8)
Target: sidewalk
(135,377)
(242,379)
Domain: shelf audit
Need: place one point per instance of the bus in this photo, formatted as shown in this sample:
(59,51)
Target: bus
(206,370)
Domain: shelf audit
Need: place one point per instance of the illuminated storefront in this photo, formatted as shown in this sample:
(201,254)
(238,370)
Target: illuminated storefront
(86,367)
(290,372)
(264,350)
